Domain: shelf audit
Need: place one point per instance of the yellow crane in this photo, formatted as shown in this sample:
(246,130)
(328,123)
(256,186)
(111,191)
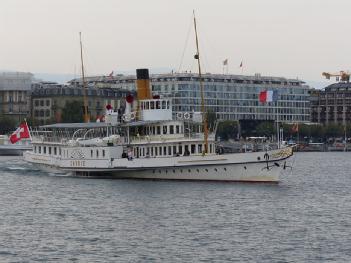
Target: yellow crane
(343,76)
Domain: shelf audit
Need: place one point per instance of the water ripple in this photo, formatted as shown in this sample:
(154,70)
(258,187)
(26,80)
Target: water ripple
(59,218)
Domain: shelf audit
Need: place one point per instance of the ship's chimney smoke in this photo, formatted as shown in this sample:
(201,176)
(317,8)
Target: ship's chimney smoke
(143,84)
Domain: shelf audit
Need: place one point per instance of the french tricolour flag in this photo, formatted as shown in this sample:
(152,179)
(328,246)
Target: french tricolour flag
(268,96)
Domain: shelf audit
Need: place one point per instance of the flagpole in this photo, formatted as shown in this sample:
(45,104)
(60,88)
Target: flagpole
(277,120)
(25,121)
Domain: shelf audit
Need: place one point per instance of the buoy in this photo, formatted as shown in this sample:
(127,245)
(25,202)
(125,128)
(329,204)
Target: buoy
(187,115)
(179,115)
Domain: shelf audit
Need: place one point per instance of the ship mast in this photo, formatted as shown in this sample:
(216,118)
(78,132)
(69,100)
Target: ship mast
(85,100)
(203,109)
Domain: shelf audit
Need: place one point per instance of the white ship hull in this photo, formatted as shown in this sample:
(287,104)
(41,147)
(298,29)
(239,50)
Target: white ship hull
(242,167)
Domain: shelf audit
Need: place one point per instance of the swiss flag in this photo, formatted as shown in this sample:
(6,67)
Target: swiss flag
(21,133)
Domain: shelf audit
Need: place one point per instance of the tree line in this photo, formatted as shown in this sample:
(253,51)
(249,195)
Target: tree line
(312,132)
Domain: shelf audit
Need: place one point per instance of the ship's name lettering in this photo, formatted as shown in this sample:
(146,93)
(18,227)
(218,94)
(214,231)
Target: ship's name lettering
(78,163)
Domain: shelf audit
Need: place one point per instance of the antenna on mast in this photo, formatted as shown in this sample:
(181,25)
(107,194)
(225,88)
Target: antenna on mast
(203,108)
(85,101)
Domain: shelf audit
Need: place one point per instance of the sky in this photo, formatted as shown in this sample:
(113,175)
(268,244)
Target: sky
(288,38)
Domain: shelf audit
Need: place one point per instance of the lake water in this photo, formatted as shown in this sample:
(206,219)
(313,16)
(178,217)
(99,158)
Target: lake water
(50,218)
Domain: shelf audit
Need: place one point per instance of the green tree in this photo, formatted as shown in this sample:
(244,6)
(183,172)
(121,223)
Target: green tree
(316,131)
(227,130)
(7,124)
(265,129)
(73,111)
(211,119)
(333,130)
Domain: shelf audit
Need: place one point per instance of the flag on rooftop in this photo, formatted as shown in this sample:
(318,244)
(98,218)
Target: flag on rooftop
(110,75)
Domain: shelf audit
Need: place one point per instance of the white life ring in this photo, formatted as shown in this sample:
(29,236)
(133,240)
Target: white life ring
(179,115)
(132,115)
(187,115)
(126,118)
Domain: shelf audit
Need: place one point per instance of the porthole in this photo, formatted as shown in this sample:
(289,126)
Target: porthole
(245,167)
(215,169)
(206,170)
(258,158)
(189,171)
(197,170)
(225,169)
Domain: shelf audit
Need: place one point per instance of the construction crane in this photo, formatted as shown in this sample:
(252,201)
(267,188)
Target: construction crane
(343,76)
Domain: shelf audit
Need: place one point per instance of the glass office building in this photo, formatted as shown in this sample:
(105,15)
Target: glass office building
(231,97)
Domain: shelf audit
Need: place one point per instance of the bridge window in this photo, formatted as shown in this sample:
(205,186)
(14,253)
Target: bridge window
(160,150)
(174,150)
(156,151)
(147,105)
(193,148)
(186,150)
(199,148)
(177,129)
(164,150)
(103,153)
(97,153)
(171,129)
(91,153)
(49,150)
(55,151)
(169,150)
(158,129)
(44,149)
(165,129)
(180,149)
(152,105)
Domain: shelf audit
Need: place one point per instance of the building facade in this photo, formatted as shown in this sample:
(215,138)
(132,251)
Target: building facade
(332,105)
(49,100)
(15,92)
(231,97)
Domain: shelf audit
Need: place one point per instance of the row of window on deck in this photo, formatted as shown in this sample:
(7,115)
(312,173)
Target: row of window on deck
(50,150)
(165,129)
(175,150)
(155,104)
